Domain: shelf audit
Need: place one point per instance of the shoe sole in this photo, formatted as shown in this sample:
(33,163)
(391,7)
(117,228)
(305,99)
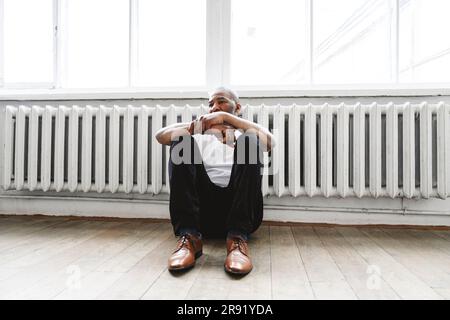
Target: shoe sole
(236,273)
(197,255)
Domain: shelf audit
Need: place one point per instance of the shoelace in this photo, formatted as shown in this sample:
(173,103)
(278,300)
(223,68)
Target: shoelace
(238,243)
(183,241)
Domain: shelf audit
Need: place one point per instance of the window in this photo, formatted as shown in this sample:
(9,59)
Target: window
(351,41)
(171,43)
(424,41)
(97,43)
(28,42)
(179,45)
(268,42)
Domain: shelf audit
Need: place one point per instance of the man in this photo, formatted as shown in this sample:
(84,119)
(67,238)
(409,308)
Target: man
(215,169)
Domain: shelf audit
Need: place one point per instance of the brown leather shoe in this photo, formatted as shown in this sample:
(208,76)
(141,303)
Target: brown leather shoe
(188,249)
(238,259)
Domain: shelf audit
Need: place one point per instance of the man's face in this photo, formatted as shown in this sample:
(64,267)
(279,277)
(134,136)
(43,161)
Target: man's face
(222,101)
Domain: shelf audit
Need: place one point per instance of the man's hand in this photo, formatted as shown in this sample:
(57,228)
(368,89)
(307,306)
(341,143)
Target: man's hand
(212,119)
(223,132)
(213,124)
(195,127)
(208,121)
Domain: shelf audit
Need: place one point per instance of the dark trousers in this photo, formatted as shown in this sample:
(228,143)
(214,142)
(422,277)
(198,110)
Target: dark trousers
(196,202)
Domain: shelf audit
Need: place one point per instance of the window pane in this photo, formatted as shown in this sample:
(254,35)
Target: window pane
(424,41)
(97,43)
(268,42)
(28,41)
(171,43)
(352,41)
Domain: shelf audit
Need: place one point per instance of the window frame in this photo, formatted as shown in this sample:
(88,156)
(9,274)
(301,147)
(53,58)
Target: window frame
(218,67)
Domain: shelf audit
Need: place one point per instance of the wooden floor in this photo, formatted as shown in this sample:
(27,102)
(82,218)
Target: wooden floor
(64,258)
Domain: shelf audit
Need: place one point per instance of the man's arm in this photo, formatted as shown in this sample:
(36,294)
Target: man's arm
(167,134)
(170,133)
(247,126)
(212,119)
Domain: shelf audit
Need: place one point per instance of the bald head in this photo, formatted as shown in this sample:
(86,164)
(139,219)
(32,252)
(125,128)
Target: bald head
(229,93)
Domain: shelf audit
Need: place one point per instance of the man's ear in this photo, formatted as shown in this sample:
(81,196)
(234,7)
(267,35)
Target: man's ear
(237,110)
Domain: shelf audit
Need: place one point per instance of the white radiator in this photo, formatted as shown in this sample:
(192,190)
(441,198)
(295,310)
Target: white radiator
(328,150)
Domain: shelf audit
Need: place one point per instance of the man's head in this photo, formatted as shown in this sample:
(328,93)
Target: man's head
(224,99)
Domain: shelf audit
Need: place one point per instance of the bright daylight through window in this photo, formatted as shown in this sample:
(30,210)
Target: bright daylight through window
(267,43)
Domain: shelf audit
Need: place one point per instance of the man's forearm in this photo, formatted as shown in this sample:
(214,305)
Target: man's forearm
(264,135)
(167,134)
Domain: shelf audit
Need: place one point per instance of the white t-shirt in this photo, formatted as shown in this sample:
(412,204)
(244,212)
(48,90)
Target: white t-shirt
(217,157)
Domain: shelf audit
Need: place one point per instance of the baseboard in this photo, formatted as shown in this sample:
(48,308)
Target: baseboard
(356,212)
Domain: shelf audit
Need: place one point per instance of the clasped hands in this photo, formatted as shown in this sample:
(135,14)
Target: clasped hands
(215,124)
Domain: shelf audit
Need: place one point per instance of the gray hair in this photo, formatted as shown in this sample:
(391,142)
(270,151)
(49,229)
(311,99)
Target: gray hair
(231,92)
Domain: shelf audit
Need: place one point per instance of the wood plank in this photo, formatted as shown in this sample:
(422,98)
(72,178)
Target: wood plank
(443,234)
(64,267)
(52,273)
(71,237)
(355,269)
(90,286)
(10,224)
(56,242)
(435,246)
(289,278)
(114,246)
(445,293)
(129,257)
(212,281)
(134,283)
(403,281)
(413,254)
(18,233)
(326,279)
(43,244)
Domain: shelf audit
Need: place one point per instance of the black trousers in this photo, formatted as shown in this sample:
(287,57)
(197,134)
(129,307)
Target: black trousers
(196,202)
